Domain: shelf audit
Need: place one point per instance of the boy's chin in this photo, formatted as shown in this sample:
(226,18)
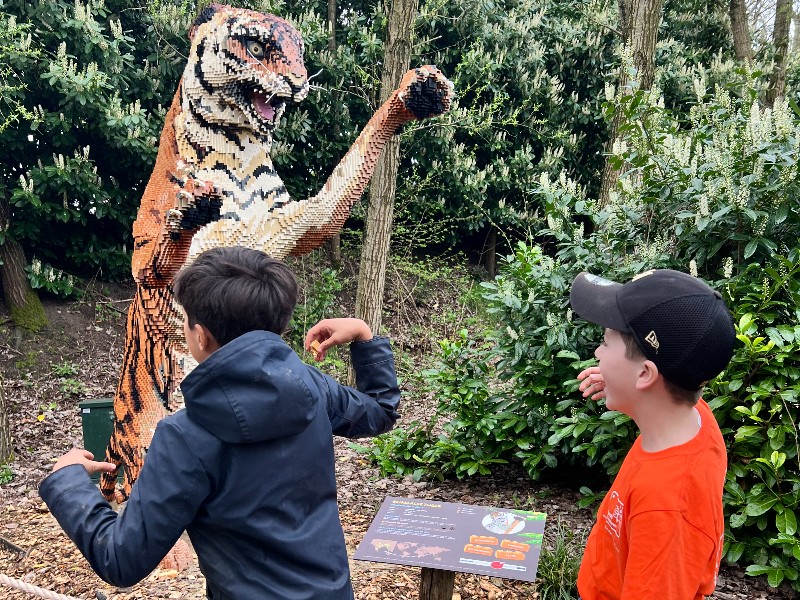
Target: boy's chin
(622,407)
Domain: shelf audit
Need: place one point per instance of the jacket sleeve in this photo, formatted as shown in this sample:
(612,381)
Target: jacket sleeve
(124,548)
(372,408)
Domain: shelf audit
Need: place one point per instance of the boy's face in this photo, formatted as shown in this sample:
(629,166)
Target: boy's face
(619,372)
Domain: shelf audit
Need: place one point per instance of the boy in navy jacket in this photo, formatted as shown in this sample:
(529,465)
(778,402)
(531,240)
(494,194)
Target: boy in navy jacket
(247,469)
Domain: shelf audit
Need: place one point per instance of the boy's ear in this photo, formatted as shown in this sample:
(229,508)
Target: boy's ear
(648,375)
(205,340)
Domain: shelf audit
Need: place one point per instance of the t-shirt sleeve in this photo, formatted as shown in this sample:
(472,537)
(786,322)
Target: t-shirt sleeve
(668,557)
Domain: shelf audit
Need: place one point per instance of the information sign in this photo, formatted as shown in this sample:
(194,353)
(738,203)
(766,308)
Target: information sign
(501,542)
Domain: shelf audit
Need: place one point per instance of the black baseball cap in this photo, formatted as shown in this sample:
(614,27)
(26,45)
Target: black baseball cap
(678,321)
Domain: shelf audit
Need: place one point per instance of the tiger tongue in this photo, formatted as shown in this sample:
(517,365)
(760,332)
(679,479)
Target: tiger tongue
(262,106)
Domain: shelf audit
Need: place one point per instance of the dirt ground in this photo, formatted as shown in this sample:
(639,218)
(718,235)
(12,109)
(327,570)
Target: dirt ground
(78,357)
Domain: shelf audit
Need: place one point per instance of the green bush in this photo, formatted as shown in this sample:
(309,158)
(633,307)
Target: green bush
(88,88)
(52,280)
(756,402)
(6,474)
(717,196)
(461,438)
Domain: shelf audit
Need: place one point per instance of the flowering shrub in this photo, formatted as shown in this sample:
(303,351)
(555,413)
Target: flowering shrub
(717,197)
(52,280)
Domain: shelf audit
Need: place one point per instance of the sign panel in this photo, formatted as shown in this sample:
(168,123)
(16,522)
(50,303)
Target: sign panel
(501,542)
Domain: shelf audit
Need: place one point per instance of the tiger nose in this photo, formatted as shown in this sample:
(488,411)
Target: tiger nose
(297,80)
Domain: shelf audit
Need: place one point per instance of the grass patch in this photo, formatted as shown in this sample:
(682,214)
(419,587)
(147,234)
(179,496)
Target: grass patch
(559,563)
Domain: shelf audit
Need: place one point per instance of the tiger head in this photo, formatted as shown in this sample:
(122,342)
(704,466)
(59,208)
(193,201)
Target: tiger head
(243,68)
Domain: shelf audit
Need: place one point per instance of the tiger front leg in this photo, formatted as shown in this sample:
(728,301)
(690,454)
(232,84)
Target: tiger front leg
(423,93)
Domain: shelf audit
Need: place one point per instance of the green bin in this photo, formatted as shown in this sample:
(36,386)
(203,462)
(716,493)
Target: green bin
(97,421)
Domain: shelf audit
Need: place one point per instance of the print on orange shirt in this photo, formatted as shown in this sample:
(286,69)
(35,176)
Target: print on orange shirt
(613,518)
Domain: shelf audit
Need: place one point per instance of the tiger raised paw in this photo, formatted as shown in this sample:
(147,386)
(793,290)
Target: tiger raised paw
(425,92)
(197,203)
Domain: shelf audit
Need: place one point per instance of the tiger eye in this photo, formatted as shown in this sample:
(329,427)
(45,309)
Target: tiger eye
(255,49)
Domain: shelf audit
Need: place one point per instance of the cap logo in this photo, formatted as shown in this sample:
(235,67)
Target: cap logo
(644,274)
(651,339)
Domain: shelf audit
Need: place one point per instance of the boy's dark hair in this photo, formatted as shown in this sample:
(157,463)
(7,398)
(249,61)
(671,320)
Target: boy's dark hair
(232,291)
(679,394)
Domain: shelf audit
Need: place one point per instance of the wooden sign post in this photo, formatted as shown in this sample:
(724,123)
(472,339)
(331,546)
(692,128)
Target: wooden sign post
(435,584)
(445,538)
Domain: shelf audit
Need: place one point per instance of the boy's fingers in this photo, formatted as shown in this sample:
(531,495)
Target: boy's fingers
(94,467)
(318,349)
(592,386)
(79,453)
(311,336)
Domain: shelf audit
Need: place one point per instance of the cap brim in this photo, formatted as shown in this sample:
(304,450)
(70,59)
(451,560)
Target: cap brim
(595,299)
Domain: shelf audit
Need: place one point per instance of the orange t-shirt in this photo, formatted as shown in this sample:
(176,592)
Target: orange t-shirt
(659,530)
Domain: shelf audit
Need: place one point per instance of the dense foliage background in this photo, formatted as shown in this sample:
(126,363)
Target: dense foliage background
(714,194)
(709,185)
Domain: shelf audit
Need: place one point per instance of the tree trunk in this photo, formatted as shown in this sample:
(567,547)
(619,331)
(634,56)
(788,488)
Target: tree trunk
(491,252)
(334,244)
(6,451)
(742,44)
(375,253)
(795,32)
(780,38)
(639,22)
(23,304)
(377,238)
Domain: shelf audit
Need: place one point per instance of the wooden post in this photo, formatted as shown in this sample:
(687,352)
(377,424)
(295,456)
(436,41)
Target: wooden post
(436,584)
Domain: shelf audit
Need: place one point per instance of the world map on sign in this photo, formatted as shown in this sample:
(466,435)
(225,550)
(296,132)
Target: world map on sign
(407,549)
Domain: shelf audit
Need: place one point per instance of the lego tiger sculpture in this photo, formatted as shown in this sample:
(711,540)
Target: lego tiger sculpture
(214,184)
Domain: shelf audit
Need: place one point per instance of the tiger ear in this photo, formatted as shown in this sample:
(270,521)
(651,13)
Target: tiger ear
(204,17)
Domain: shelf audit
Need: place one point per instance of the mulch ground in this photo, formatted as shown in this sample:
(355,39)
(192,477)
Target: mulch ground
(45,423)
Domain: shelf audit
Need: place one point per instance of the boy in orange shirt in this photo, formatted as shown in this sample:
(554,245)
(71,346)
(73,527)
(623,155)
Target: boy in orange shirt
(659,530)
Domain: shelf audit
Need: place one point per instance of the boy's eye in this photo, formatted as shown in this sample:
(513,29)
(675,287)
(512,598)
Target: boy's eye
(255,49)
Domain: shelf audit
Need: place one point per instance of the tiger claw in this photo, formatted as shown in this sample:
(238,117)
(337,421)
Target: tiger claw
(174,217)
(184,198)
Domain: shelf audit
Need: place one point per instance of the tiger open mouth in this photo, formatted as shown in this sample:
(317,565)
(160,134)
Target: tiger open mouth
(268,108)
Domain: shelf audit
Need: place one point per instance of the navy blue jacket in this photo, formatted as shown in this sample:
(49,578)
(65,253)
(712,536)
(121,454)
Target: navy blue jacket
(247,469)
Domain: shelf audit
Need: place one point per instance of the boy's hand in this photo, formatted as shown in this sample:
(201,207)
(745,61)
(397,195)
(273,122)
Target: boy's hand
(78,456)
(334,332)
(592,383)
